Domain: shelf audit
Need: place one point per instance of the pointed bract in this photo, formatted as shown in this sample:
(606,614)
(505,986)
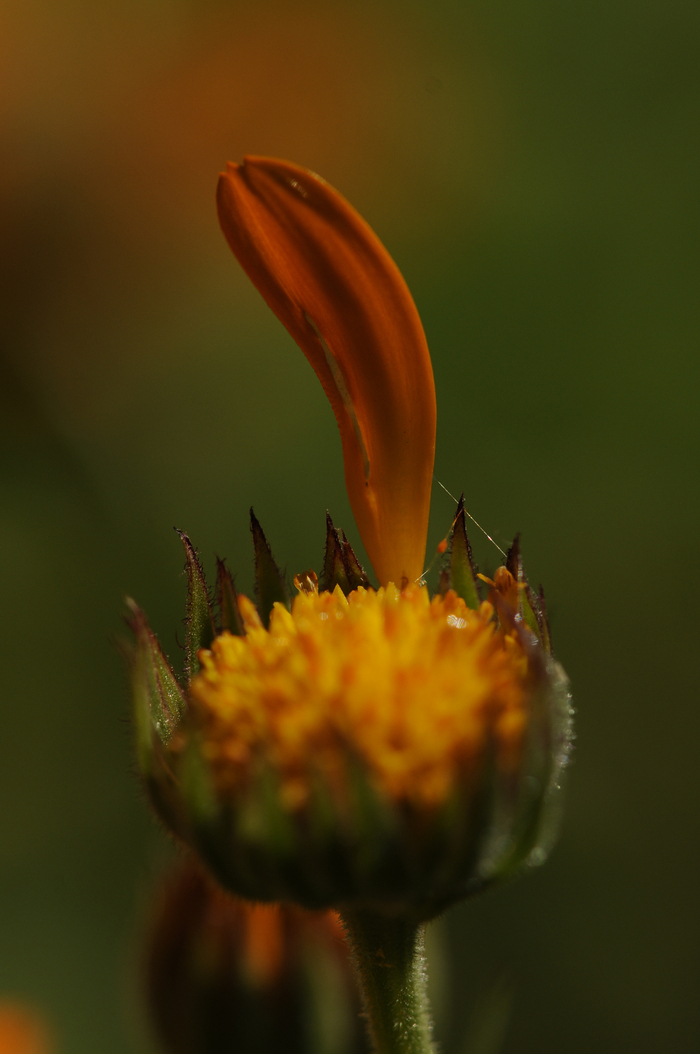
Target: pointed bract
(270,587)
(158,700)
(334,573)
(514,560)
(546,633)
(354,569)
(340,565)
(227,600)
(335,288)
(461,566)
(530,607)
(531,613)
(199,626)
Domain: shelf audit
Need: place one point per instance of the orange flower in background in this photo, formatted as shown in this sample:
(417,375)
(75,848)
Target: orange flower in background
(21,1032)
(335,288)
(225,975)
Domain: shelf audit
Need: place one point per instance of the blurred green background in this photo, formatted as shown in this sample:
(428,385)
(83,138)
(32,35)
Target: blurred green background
(533,168)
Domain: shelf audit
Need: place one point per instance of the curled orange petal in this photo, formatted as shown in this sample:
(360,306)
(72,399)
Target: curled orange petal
(332,283)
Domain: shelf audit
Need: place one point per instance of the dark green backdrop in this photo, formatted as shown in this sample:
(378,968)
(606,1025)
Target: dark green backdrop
(533,168)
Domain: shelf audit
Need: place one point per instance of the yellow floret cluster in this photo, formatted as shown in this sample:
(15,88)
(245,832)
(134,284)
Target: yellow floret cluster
(416,691)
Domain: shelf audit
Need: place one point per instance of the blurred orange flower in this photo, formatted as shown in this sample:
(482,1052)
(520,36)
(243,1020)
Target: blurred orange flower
(21,1031)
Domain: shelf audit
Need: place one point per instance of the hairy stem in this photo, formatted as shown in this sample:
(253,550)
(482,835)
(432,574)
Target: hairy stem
(390,963)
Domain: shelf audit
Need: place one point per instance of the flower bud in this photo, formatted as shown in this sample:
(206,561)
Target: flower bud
(222,974)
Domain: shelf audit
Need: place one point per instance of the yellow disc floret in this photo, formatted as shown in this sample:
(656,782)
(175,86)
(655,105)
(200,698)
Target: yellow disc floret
(416,691)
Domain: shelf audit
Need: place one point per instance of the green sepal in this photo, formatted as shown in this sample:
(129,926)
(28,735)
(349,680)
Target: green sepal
(227,600)
(200,629)
(462,571)
(545,633)
(354,569)
(270,586)
(164,789)
(333,573)
(340,565)
(514,560)
(532,608)
(269,846)
(157,699)
(197,784)
(263,820)
(533,808)
(534,615)
(557,738)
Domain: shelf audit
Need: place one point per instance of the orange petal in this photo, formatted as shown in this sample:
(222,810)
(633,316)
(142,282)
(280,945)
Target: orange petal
(333,285)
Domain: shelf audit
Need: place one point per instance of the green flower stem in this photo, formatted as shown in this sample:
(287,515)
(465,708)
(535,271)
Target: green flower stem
(390,962)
